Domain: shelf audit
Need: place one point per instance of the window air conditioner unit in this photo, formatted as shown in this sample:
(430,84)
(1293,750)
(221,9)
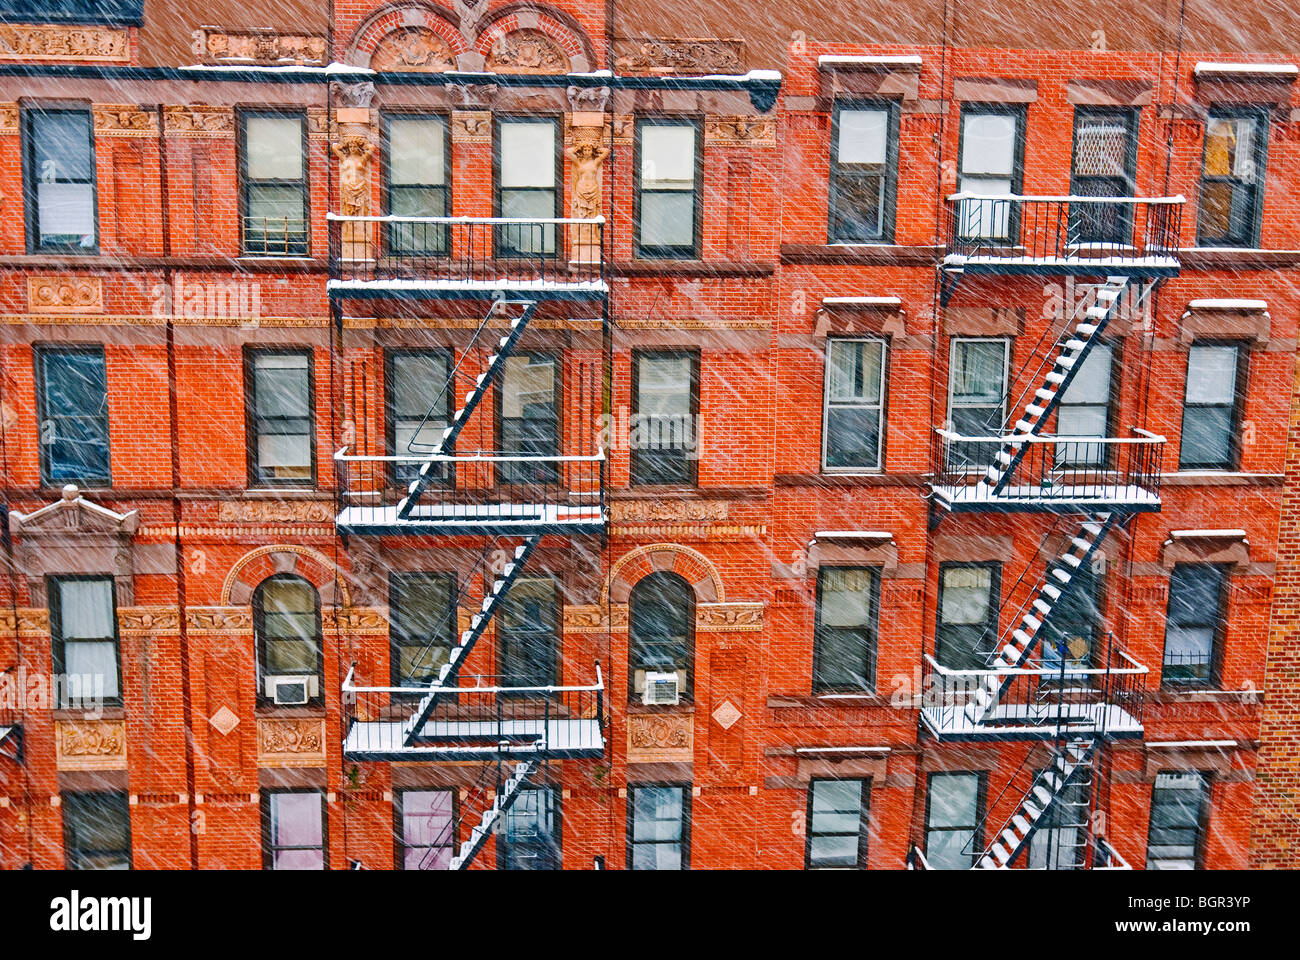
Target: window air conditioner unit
(291,691)
(661,689)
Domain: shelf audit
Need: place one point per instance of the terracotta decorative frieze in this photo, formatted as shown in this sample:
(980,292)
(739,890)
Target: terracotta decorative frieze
(413,49)
(354,620)
(261,47)
(8,118)
(32,621)
(114,120)
(275,511)
(592,618)
(90,744)
(527,51)
(160,619)
(660,737)
(728,617)
(471,126)
(56,42)
(199,121)
(219,619)
(740,131)
(291,742)
(667,511)
(680,56)
(65,294)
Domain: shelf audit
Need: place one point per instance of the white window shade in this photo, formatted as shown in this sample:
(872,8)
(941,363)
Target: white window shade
(1211,374)
(862,136)
(527,155)
(668,157)
(66,209)
(273,148)
(86,609)
(415,151)
(988,145)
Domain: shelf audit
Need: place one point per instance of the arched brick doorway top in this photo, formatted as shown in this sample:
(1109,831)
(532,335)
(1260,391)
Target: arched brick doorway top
(691,565)
(306,562)
(526,38)
(408,36)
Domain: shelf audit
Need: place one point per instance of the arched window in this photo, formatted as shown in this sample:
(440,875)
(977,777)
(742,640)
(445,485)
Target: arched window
(286,617)
(661,628)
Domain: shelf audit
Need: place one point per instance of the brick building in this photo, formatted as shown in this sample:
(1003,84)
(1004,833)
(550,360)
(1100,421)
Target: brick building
(584,434)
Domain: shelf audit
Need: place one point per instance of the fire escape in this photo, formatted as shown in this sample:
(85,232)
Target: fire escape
(1030,686)
(503,502)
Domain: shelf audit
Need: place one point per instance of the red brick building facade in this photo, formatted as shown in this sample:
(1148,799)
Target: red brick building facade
(374,530)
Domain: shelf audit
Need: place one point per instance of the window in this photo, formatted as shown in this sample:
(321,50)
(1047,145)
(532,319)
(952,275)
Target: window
(1073,630)
(665,400)
(274,198)
(1084,409)
(530,839)
(967,630)
(658,828)
(419,408)
(83,627)
(848,615)
(1105,159)
(1179,807)
(855,404)
(72,403)
(952,820)
(1232,178)
(978,386)
(837,824)
(991,144)
(668,208)
(1196,595)
(281,441)
(1061,840)
(59,180)
(661,630)
(528,639)
(864,165)
(528,400)
(293,830)
(96,831)
(427,837)
(526,186)
(286,610)
(422,625)
(1211,409)
(417,183)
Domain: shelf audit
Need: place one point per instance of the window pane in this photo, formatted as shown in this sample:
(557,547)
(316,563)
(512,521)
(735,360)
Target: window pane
(273,148)
(1211,374)
(953,800)
(668,156)
(1091,383)
(1207,436)
(853,437)
(1229,148)
(527,157)
(664,384)
(1174,833)
(67,213)
(415,151)
(1101,147)
(988,145)
(97,831)
(863,136)
(967,595)
(854,370)
(61,146)
(86,609)
(281,386)
(667,219)
(978,371)
(847,598)
(427,829)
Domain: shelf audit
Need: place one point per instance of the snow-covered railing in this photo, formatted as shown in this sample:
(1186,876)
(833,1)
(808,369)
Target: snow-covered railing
(1100,233)
(1060,468)
(384,255)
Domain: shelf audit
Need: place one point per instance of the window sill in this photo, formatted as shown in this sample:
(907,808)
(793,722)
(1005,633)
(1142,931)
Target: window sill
(685,708)
(1194,476)
(106,712)
(1204,694)
(803,701)
(264,708)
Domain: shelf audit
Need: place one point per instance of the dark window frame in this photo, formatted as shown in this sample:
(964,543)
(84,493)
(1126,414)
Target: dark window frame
(1123,212)
(448,472)
(58,644)
(837,232)
(636,458)
(1260,159)
(268,850)
(501,247)
(634,663)
(1239,393)
(1205,806)
(882,428)
(981,811)
(872,629)
(1214,666)
(507,474)
(43,414)
(395,637)
(31,207)
(259,639)
(400,845)
(991,627)
(863,831)
(251,418)
(100,800)
(514,640)
(443,248)
(972,451)
(1113,390)
(660,252)
(1020,112)
(506,854)
(632,842)
(293,249)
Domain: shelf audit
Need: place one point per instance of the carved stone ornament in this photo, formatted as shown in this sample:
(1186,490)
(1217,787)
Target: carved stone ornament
(471,126)
(275,511)
(55,42)
(660,737)
(90,744)
(729,617)
(199,121)
(124,121)
(527,51)
(261,47)
(291,742)
(354,95)
(66,294)
(669,511)
(413,49)
(740,130)
(219,619)
(681,56)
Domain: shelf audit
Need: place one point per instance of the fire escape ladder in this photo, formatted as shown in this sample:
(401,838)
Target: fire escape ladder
(1071,349)
(1026,634)
(478,625)
(493,815)
(431,468)
(1050,790)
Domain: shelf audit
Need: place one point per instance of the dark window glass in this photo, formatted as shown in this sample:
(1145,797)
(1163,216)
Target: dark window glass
(967,629)
(529,403)
(1084,409)
(1196,595)
(419,407)
(837,824)
(659,828)
(530,839)
(977,390)
(528,634)
(73,408)
(952,817)
(294,825)
(60,181)
(417,183)
(83,628)
(275,185)
(281,418)
(428,825)
(667,197)
(1178,807)
(664,403)
(96,831)
(286,609)
(1073,631)
(526,186)
(422,624)
(844,647)
(855,403)
(1211,407)
(1232,180)
(864,158)
(1105,155)
(662,630)
(1061,840)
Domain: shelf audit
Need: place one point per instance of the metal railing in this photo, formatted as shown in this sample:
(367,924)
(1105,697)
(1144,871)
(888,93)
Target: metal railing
(447,252)
(1098,232)
(916,859)
(276,237)
(1053,468)
(1051,691)
(1106,857)
(487,487)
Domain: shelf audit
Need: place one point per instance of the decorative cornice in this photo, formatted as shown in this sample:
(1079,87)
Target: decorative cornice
(119,120)
(32,621)
(199,121)
(52,42)
(275,511)
(261,47)
(740,131)
(678,56)
(148,620)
